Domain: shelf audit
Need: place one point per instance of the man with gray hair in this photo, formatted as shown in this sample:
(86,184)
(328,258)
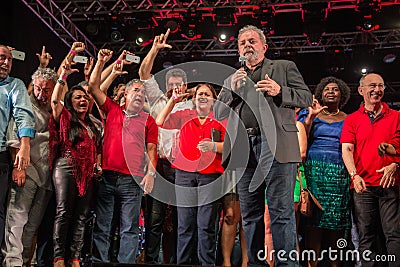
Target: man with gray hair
(15,104)
(259,101)
(129,134)
(29,198)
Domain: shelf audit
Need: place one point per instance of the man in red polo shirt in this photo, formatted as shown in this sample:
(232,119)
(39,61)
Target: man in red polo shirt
(375,183)
(129,133)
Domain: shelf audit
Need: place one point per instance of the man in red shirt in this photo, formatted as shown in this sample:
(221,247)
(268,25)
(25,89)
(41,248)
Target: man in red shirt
(375,183)
(129,133)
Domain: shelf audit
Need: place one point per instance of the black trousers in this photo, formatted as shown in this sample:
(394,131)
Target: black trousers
(71,212)
(155,218)
(377,206)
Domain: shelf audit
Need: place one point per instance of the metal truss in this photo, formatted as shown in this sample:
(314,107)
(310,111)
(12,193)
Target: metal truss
(60,15)
(83,9)
(59,23)
(383,39)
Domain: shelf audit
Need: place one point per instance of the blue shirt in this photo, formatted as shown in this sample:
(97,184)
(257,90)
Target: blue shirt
(14,101)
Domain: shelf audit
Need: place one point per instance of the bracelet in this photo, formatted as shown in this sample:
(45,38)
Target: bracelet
(174,97)
(118,61)
(73,52)
(61,82)
(64,77)
(352,174)
(152,174)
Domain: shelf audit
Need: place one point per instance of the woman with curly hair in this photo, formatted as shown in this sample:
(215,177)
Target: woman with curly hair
(326,174)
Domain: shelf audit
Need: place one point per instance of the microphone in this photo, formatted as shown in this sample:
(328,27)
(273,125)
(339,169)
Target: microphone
(242,61)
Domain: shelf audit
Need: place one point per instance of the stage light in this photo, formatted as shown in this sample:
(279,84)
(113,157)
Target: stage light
(191,23)
(139,40)
(367,10)
(225,16)
(266,18)
(144,37)
(364,71)
(116,36)
(389,58)
(222,38)
(92,28)
(314,19)
(173,25)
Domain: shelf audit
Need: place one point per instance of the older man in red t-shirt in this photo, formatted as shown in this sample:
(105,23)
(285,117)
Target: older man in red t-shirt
(375,183)
(129,133)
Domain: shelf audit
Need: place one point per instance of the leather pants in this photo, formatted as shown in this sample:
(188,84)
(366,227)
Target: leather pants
(71,212)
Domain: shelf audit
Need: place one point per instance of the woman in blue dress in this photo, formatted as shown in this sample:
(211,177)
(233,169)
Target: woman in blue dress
(327,177)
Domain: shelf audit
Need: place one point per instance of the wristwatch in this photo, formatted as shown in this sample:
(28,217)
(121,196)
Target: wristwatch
(152,174)
(352,174)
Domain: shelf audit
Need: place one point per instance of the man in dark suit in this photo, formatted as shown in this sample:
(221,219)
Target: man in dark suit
(261,143)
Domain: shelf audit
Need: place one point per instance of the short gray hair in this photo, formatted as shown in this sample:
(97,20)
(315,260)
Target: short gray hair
(131,82)
(46,74)
(253,28)
(365,75)
(83,83)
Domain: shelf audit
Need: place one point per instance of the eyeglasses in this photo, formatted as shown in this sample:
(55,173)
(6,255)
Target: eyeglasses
(375,85)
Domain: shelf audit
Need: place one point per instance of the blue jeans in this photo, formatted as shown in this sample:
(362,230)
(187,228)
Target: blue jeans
(377,206)
(119,187)
(280,181)
(200,219)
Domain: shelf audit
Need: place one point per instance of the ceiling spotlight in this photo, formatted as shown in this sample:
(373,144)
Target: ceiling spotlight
(225,16)
(368,9)
(139,40)
(389,58)
(167,64)
(144,37)
(367,25)
(92,28)
(222,38)
(190,33)
(173,25)
(314,19)
(364,71)
(116,36)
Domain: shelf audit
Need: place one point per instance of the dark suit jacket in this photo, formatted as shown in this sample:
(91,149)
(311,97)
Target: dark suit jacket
(275,115)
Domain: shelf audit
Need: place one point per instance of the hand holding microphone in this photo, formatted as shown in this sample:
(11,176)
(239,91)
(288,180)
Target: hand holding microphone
(239,77)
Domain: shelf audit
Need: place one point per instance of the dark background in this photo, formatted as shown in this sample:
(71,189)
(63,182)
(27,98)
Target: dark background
(22,30)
